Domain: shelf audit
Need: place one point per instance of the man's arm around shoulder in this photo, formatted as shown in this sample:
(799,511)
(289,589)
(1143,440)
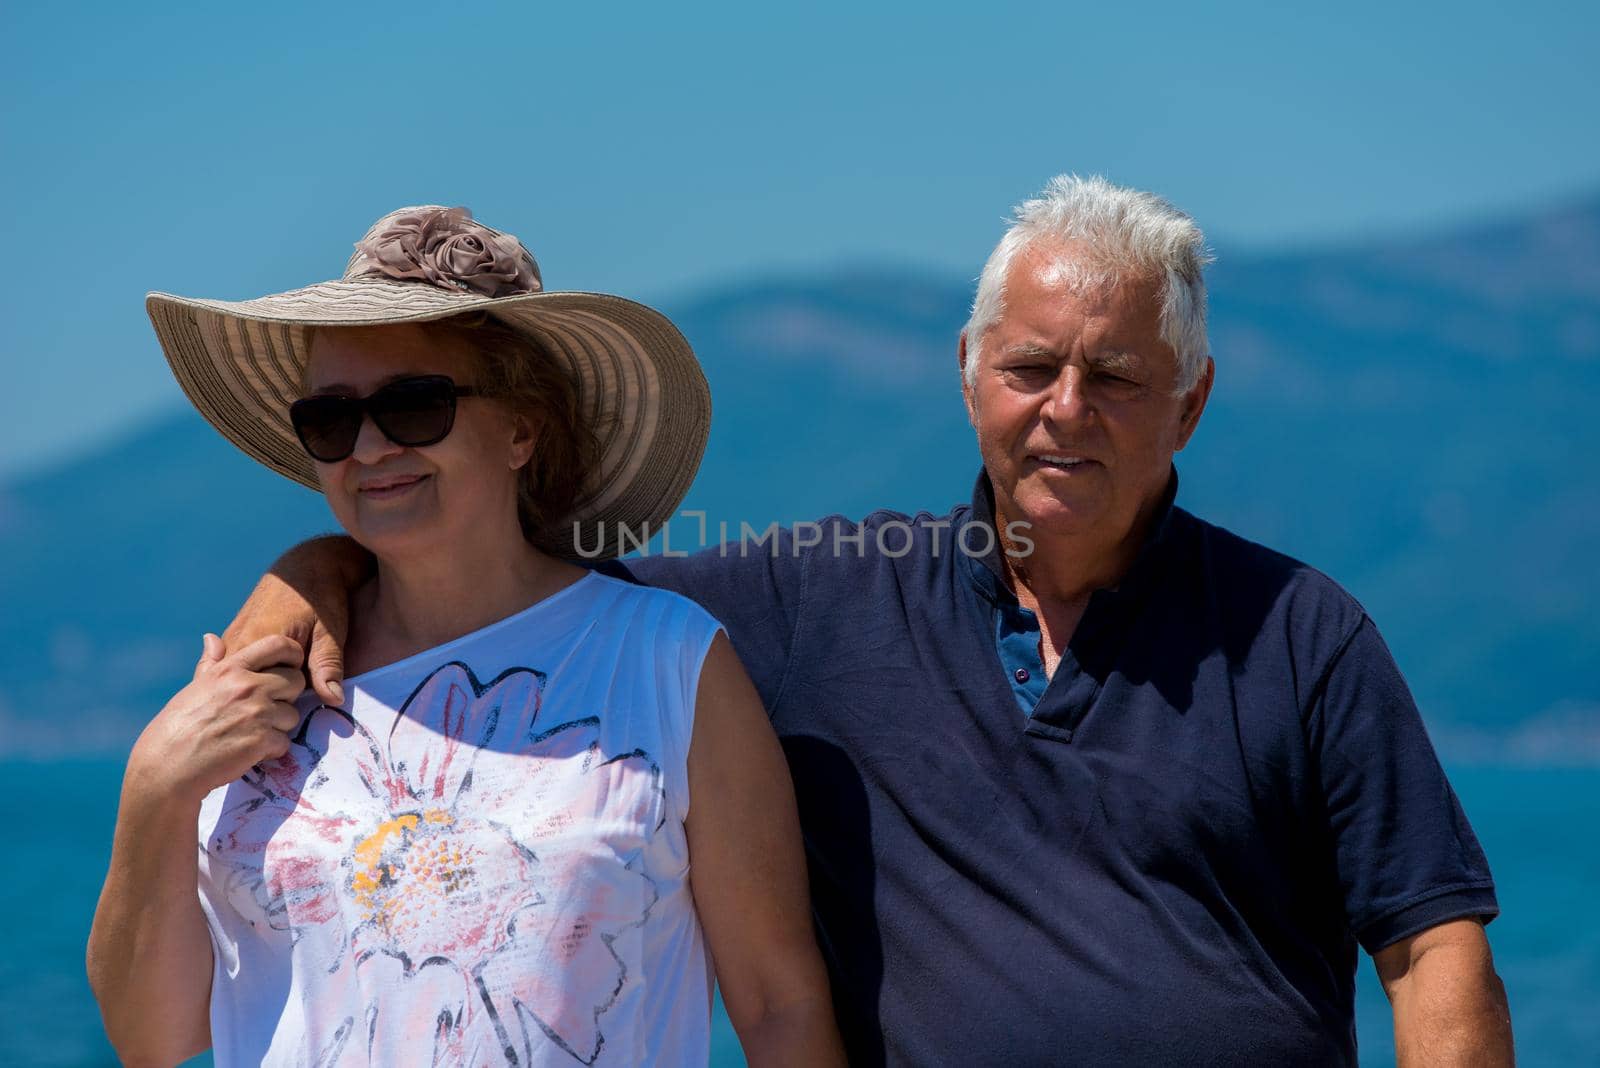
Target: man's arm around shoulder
(306,596)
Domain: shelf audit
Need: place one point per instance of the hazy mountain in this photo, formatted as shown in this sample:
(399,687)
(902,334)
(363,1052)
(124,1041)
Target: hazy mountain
(1413,417)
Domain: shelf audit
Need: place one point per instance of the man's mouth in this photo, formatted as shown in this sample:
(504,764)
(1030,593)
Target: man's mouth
(1061,461)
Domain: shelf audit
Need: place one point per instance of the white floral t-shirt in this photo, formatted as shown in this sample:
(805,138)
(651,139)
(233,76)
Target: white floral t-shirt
(479,860)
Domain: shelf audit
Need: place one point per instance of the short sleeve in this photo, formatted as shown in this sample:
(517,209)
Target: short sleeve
(1407,858)
(754,588)
(693,630)
(699,631)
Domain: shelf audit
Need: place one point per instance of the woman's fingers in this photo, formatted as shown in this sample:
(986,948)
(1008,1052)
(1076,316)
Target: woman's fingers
(284,717)
(211,650)
(274,744)
(287,683)
(274,650)
(261,682)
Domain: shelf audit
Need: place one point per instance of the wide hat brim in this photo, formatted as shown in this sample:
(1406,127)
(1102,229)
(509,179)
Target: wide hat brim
(241,364)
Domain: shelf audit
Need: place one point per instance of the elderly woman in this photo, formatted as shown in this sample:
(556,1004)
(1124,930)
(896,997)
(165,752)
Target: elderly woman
(546,799)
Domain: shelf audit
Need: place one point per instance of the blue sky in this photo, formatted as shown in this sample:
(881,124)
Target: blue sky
(654,150)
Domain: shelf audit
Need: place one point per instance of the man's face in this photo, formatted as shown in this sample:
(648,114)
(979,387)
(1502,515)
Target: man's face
(1075,400)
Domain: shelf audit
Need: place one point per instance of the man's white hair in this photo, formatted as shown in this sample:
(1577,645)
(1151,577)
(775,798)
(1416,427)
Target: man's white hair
(1127,234)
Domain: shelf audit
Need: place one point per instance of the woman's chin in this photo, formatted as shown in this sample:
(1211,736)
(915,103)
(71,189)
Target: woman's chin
(390,535)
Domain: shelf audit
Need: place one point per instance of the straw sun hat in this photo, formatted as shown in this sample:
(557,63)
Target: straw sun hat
(639,385)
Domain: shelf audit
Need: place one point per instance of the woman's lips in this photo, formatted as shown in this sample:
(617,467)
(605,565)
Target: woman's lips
(389,488)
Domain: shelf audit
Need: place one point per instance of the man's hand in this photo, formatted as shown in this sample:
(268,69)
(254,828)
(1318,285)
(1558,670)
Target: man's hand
(1449,1005)
(306,596)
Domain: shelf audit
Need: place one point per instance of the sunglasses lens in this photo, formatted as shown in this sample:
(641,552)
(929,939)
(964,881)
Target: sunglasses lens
(415,411)
(326,426)
(411,412)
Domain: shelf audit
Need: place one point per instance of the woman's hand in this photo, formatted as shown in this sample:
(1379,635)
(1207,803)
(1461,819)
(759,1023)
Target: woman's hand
(237,712)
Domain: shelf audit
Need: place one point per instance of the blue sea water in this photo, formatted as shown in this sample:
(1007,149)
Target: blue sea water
(1539,826)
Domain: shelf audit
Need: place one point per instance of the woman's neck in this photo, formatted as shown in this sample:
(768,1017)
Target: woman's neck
(422,600)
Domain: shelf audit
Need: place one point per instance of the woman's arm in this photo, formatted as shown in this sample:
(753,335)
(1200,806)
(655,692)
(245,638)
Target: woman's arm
(748,874)
(149,957)
(149,954)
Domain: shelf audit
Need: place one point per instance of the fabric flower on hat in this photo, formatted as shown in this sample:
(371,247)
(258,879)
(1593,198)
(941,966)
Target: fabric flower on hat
(446,248)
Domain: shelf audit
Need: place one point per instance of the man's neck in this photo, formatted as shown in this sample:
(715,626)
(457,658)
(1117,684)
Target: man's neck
(1068,568)
(1062,571)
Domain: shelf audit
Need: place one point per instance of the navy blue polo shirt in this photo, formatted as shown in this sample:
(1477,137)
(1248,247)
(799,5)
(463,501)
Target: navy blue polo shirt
(1171,857)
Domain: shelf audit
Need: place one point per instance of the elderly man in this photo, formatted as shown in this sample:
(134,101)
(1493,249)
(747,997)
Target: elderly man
(1084,778)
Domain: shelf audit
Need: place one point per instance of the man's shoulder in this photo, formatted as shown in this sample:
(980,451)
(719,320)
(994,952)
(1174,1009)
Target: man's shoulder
(1271,587)
(922,528)
(832,553)
(843,553)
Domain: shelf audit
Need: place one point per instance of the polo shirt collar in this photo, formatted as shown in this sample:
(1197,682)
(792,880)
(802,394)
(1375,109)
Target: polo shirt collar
(987,570)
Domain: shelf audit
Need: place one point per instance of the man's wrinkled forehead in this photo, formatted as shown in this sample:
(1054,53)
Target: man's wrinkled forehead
(1044,282)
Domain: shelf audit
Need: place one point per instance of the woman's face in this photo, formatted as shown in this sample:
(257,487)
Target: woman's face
(396,499)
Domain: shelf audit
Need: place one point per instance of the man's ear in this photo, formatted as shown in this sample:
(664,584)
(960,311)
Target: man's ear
(966,386)
(1194,403)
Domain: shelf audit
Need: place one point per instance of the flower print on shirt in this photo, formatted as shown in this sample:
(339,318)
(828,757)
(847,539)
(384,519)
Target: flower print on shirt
(458,883)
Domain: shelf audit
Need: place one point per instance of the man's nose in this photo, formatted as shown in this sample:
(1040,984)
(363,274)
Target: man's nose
(371,444)
(1069,402)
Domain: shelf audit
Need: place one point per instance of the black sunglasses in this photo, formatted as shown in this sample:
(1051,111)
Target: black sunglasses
(408,411)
